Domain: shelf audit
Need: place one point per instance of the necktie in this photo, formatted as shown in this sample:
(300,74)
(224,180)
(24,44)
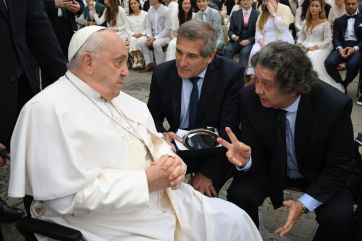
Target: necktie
(204,17)
(246,18)
(194,99)
(278,169)
(351,16)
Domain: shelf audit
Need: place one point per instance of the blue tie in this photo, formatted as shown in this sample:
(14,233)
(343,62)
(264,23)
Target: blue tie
(292,169)
(194,99)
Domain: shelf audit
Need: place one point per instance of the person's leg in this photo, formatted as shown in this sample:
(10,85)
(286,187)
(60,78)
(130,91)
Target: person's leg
(158,51)
(352,67)
(248,191)
(244,55)
(335,218)
(146,52)
(230,49)
(331,63)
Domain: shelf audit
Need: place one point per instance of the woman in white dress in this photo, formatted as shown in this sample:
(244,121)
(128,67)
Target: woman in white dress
(115,17)
(136,32)
(272,24)
(184,14)
(316,37)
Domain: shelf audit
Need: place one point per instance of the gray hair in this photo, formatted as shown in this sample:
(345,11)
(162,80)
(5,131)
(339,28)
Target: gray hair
(93,45)
(294,70)
(198,30)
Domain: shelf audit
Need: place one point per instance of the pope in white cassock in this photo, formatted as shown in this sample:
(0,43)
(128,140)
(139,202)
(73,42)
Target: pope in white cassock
(92,159)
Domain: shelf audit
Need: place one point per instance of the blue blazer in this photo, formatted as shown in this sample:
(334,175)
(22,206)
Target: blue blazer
(237,21)
(339,29)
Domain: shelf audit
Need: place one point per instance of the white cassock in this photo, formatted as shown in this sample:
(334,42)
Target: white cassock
(84,159)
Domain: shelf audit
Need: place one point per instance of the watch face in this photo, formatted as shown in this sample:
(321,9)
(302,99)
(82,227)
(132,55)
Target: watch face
(200,139)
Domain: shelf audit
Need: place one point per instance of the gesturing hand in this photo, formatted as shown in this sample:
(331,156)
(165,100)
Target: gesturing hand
(295,209)
(238,153)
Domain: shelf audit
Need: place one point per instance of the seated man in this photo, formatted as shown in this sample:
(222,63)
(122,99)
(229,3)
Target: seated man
(158,32)
(297,132)
(213,17)
(347,43)
(87,17)
(92,159)
(218,82)
(242,32)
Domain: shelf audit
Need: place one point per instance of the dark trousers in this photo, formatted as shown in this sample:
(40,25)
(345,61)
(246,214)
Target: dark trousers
(335,217)
(233,48)
(352,64)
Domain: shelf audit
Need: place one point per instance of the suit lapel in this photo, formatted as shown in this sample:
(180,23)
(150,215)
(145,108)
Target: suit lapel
(208,87)
(303,125)
(176,99)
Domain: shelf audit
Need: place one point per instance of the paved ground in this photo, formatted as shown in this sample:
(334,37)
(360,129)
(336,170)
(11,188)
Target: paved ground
(137,85)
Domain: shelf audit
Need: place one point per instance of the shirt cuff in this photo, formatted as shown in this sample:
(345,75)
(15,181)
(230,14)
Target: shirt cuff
(309,202)
(246,167)
(356,48)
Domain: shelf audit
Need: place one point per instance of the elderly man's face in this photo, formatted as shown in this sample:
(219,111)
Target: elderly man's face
(267,88)
(189,61)
(110,68)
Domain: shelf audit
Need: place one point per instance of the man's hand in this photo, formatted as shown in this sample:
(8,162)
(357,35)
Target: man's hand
(244,42)
(150,41)
(295,210)
(170,137)
(238,153)
(73,6)
(234,37)
(350,52)
(342,52)
(2,159)
(61,3)
(203,184)
(165,172)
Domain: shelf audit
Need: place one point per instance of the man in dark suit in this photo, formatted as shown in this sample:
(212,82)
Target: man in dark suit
(347,43)
(217,81)
(62,14)
(242,32)
(25,33)
(297,133)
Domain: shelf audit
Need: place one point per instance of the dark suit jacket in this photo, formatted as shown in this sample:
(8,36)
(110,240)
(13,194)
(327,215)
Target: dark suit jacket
(237,22)
(65,26)
(323,141)
(339,29)
(25,32)
(218,104)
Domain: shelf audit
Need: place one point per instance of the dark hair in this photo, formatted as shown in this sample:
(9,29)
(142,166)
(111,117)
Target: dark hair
(194,30)
(130,11)
(294,70)
(322,14)
(112,12)
(181,14)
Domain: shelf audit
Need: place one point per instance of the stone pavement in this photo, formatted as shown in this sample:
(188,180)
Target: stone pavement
(137,85)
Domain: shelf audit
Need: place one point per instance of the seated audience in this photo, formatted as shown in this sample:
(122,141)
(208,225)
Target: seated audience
(347,45)
(272,24)
(242,32)
(108,172)
(204,91)
(213,17)
(235,8)
(298,133)
(316,38)
(184,14)
(158,30)
(136,31)
(87,17)
(115,18)
(337,10)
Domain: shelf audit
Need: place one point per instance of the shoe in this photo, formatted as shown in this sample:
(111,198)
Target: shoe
(8,213)
(359,138)
(359,100)
(149,68)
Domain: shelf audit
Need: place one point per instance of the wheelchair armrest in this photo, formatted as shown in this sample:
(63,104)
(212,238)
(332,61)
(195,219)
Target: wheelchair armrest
(48,229)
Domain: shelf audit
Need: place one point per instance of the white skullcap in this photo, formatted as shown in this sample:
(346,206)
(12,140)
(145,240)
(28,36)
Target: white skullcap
(79,38)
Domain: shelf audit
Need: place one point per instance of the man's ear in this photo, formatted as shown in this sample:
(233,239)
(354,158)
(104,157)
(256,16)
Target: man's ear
(87,63)
(211,56)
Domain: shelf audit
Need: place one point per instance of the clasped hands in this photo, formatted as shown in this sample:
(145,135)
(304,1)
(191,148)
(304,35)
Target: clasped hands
(346,52)
(167,171)
(238,154)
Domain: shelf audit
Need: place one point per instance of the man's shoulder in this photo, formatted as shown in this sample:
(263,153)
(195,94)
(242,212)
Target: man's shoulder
(327,97)
(167,67)
(225,64)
